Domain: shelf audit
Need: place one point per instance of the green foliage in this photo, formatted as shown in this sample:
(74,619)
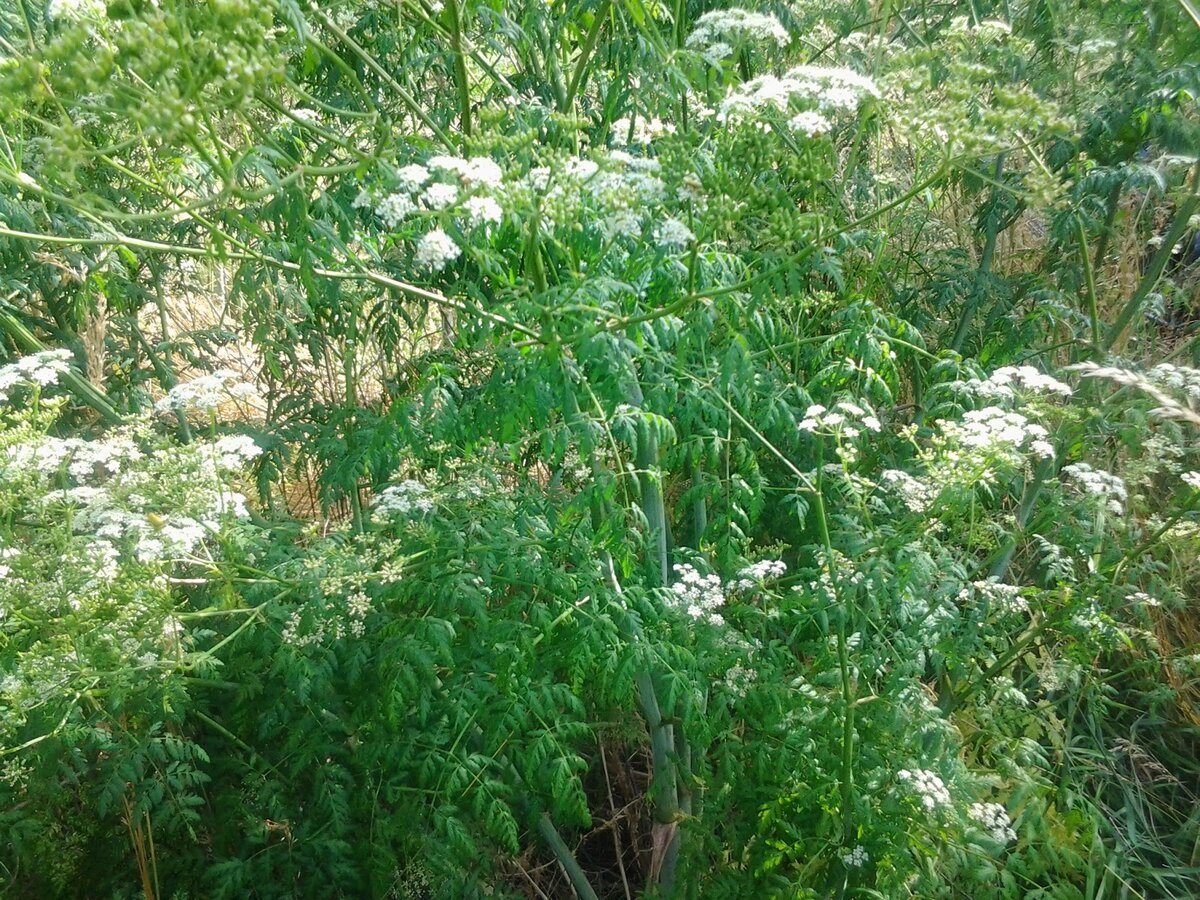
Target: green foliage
(748,452)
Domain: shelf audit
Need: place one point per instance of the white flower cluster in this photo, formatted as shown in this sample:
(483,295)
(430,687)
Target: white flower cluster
(74,10)
(672,234)
(1004,383)
(394,208)
(738,680)
(714,54)
(1004,599)
(1104,485)
(439,195)
(1030,379)
(294,635)
(436,250)
(98,459)
(927,785)
(412,178)
(45,456)
(479,171)
(403,499)
(418,190)
(995,821)
(757,573)
(639,130)
(988,29)
(700,596)
(5,569)
(483,210)
(856,858)
(235,450)
(615,194)
(358,605)
(809,123)
(914,493)
(1191,479)
(1184,379)
(995,430)
(846,419)
(736,26)
(85,460)
(207,392)
(816,89)
(123,506)
(1141,598)
(328,622)
(42,369)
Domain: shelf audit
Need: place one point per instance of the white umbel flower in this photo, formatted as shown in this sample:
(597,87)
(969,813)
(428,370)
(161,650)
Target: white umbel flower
(406,498)
(395,208)
(699,596)
(809,123)
(436,250)
(412,177)
(928,787)
(994,820)
(737,25)
(74,10)
(439,196)
(1110,488)
(483,211)
(41,369)
(672,234)
(856,858)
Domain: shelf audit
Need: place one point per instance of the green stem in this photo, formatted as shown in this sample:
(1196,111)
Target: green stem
(371,63)
(1157,264)
(1110,217)
(348,375)
(81,387)
(1090,280)
(361,273)
(460,66)
(566,859)
(581,66)
(991,233)
(667,778)
(1033,489)
(843,615)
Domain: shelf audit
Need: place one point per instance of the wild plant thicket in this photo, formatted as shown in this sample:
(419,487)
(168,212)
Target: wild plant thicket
(748,452)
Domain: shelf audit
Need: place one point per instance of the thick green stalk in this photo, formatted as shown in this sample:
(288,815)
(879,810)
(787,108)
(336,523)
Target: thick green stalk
(1090,281)
(991,233)
(1157,264)
(80,386)
(667,777)
(1033,489)
(664,741)
(699,505)
(848,700)
(585,56)
(653,508)
(1110,218)
(460,66)
(566,858)
(348,358)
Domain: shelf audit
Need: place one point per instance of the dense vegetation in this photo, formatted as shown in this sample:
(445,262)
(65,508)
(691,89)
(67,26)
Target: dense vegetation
(614,448)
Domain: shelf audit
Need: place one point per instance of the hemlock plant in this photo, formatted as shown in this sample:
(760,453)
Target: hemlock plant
(611,449)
